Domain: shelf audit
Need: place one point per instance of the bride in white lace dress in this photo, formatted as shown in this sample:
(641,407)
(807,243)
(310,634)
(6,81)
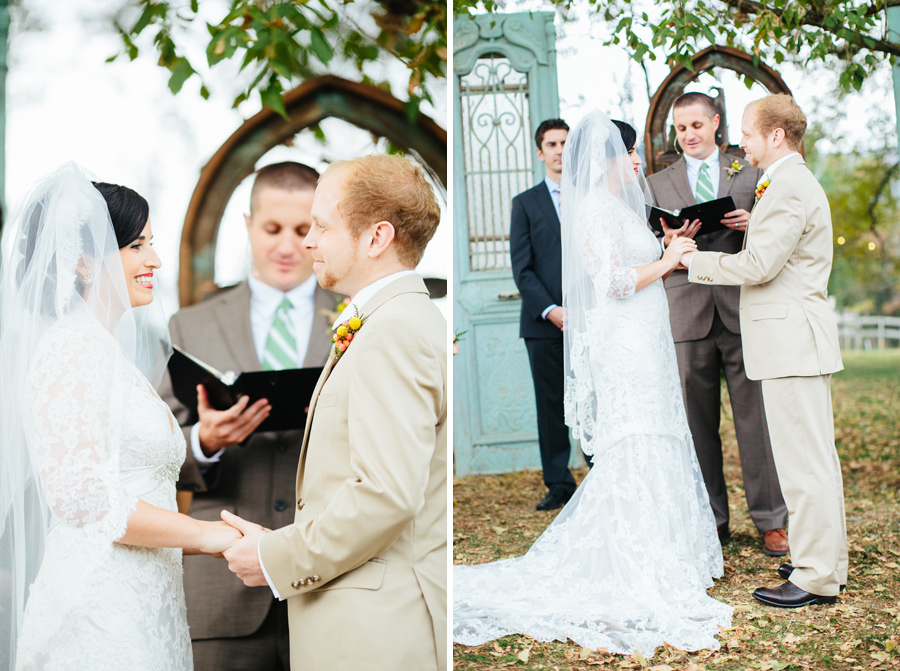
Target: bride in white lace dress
(625,566)
(90,540)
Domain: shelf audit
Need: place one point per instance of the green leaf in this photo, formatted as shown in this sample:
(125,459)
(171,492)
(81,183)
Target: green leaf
(320,46)
(204,92)
(271,98)
(280,68)
(195,6)
(180,74)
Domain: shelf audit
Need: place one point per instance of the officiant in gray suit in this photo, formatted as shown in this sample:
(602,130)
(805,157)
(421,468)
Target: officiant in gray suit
(706,324)
(277,319)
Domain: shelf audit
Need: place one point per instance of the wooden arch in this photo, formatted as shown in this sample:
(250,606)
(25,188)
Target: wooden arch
(658,154)
(360,104)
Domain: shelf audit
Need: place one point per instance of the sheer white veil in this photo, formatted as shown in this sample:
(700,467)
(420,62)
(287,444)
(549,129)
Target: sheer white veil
(61,269)
(597,177)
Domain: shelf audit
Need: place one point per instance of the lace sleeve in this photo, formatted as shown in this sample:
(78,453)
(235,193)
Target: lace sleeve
(71,432)
(602,234)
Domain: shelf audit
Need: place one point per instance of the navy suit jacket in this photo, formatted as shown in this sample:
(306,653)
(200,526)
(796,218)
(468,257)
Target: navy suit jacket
(536,252)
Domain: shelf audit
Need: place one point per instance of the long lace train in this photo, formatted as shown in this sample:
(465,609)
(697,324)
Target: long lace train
(624,566)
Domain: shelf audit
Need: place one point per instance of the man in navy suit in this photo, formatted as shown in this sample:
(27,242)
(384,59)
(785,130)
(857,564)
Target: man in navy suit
(534,243)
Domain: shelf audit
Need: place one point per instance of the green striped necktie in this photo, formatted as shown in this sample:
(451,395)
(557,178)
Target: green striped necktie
(704,185)
(281,346)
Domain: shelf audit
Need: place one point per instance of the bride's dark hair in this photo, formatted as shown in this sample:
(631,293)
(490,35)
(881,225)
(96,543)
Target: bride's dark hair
(128,210)
(629,134)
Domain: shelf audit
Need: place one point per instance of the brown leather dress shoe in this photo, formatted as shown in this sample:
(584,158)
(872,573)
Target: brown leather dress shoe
(785,571)
(789,595)
(775,542)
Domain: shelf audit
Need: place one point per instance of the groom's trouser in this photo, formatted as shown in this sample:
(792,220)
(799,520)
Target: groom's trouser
(801,426)
(266,649)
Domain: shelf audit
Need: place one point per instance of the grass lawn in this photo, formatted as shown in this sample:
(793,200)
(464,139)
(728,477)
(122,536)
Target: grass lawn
(494,517)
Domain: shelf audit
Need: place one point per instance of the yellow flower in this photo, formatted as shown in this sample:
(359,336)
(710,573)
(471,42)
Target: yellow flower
(342,331)
(355,323)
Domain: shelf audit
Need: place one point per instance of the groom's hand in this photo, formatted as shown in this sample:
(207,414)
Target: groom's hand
(737,220)
(243,556)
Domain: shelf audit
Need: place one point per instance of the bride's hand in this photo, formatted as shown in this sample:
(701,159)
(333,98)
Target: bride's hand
(678,248)
(216,537)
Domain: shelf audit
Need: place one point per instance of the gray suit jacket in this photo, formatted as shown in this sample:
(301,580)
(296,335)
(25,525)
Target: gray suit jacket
(254,480)
(693,305)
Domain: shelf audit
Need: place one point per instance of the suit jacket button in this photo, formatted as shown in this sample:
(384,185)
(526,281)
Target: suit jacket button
(280,505)
(316,578)
(300,504)
(296,584)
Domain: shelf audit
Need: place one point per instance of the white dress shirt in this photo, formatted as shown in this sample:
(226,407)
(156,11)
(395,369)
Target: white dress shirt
(556,197)
(693,171)
(264,302)
(358,301)
(772,168)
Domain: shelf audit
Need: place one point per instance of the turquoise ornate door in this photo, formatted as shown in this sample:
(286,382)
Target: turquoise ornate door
(505,84)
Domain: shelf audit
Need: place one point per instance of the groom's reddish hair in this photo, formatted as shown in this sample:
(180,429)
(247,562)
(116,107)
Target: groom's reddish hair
(779,110)
(394,189)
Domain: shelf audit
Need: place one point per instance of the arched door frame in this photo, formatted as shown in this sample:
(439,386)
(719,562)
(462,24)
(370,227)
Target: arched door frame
(362,105)
(680,76)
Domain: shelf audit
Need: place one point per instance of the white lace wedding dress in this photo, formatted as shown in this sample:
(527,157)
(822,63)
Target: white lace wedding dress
(626,564)
(103,440)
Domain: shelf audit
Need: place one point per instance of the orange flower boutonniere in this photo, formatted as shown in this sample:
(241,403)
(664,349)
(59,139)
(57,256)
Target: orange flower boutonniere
(343,335)
(761,189)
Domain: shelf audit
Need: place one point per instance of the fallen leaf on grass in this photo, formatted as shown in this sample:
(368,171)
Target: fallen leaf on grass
(524,654)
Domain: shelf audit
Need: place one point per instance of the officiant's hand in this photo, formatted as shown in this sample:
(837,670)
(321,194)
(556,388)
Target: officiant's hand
(737,220)
(688,230)
(224,428)
(243,556)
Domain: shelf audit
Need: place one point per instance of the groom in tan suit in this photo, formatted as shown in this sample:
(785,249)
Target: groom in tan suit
(791,344)
(364,565)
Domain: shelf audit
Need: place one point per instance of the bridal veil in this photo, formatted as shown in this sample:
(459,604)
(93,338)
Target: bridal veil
(62,273)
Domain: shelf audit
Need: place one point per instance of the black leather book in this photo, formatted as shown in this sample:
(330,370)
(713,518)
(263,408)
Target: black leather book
(288,391)
(709,213)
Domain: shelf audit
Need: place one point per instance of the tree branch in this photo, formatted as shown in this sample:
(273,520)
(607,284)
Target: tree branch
(816,19)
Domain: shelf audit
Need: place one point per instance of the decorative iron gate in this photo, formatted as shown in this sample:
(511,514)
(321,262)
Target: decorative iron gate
(505,84)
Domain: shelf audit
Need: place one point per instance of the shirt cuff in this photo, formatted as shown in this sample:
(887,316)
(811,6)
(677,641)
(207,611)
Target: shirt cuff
(690,261)
(197,451)
(547,310)
(266,575)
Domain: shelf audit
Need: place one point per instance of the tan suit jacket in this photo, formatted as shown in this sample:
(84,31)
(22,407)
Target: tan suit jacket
(255,479)
(787,323)
(364,565)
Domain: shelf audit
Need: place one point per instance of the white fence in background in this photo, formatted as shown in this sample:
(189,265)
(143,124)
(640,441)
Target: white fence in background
(862,332)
